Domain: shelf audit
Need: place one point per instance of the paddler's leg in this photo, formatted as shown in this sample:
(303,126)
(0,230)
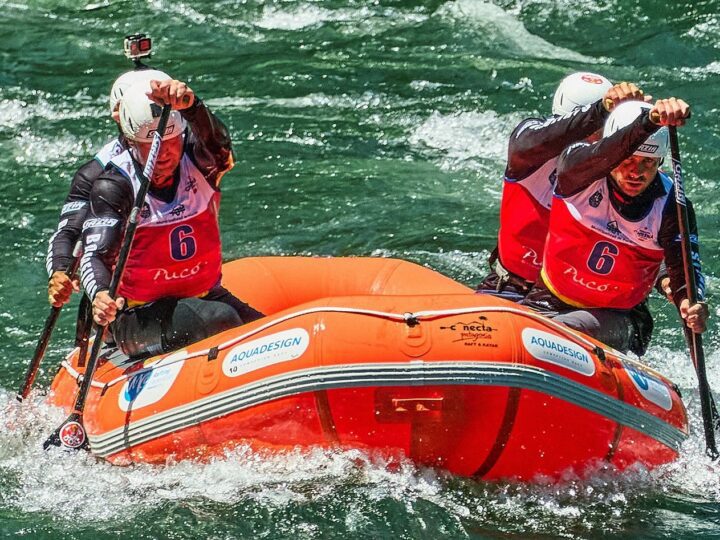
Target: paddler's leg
(246,312)
(613,327)
(138,331)
(194,319)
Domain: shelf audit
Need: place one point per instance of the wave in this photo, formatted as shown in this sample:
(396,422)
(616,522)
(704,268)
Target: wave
(507,31)
(466,136)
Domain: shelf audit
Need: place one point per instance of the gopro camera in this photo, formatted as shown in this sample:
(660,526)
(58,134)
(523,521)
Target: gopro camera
(137,46)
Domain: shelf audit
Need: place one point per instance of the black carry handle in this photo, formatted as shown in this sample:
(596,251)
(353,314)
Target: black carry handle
(50,322)
(71,434)
(707,404)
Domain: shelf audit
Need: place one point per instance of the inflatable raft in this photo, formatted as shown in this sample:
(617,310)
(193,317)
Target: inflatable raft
(384,355)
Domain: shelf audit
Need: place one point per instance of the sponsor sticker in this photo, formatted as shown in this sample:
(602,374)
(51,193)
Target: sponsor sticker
(559,351)
(476,332)
(649,148)
(643,234)
(150,386)
(72,435)
(592,79)
(259,353)
(99,222)
(72,206)
(595,199)
(651,388)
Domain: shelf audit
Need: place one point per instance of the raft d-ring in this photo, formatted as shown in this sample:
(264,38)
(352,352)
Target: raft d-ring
(410,319)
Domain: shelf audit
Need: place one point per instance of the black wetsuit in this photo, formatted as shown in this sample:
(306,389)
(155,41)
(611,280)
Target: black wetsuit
(75,209)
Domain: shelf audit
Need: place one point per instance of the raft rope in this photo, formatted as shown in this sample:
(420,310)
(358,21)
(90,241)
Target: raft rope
(409,318)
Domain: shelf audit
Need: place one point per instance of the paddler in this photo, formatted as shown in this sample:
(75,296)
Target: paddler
(62,243)
(170,294)
(580,107)
(613,220)
(74,211)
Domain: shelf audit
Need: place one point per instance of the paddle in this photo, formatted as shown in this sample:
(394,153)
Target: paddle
(71,434)
(707,404)
(42,344)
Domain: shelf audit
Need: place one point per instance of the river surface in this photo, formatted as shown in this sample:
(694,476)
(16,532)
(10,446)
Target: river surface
(372,128)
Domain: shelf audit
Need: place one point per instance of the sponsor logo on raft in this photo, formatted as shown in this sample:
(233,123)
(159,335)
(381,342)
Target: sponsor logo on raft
(152,382)
(649,387)
(557,350)
(473,333)
(266,351)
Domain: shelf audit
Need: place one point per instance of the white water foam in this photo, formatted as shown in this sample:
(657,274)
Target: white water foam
(506,29)
(303,16)
(32,149)
(371,19)
(464,137)
(702,73)
(180,9)
(706,32)
(315,100)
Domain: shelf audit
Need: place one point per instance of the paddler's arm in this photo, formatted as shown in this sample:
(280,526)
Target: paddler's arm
(535,141)
(111,200)
(582,164)
(209,144)
(72,216)
(62,243)
(669,239)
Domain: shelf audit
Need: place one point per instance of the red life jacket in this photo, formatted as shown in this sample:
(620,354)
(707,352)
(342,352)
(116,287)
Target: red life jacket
(596,258)
(176,251)
(524,221)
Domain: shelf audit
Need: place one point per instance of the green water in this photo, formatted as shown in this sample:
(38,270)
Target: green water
(360,128)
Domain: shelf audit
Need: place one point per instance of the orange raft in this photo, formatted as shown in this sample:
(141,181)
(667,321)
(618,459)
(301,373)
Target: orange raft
(383,354)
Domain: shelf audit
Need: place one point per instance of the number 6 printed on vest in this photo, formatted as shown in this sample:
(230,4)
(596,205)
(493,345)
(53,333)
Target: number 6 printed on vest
(182,244)
(602,258)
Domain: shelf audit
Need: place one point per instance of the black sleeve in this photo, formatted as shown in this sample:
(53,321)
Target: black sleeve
(72,216)
(669,239)
(209,144)
(535,141)
(111,200)
(581,164)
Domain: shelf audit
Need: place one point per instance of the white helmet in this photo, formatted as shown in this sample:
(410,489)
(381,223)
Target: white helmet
(139,116)
(656,146)
(126,79)
(578,90)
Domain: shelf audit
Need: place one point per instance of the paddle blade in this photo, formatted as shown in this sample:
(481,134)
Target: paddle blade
(70,436)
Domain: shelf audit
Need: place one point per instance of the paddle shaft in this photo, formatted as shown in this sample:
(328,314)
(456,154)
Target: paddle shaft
(697,353)
(42,344)
(132,224)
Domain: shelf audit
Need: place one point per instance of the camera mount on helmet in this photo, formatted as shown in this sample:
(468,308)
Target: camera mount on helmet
(136,47)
